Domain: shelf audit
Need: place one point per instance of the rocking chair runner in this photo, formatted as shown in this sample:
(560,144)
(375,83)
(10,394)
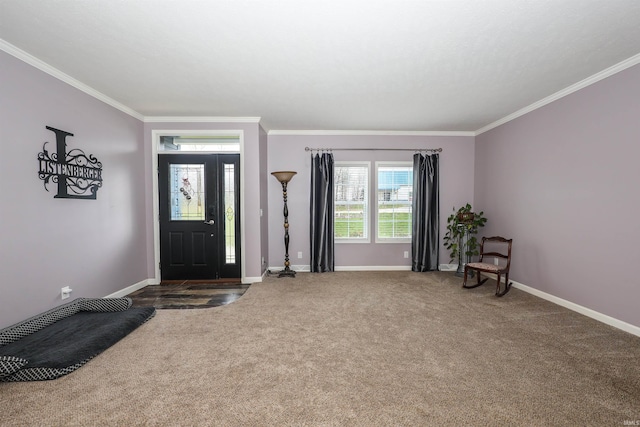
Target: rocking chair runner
(485,267)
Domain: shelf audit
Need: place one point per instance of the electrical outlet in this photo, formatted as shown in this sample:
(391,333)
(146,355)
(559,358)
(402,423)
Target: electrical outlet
(406,254)
(65,292)
(299,255)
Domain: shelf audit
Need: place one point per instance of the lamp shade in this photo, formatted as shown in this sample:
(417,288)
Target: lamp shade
(284,176)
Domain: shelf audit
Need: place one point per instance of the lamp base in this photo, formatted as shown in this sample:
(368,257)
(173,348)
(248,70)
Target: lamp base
(287,273)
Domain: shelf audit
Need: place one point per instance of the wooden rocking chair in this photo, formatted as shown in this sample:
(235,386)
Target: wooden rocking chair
(498,270)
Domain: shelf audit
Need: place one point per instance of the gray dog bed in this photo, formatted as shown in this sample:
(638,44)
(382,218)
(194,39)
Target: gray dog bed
(61,340)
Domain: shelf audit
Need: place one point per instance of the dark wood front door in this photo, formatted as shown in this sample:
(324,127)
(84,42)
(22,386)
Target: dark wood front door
(199,216)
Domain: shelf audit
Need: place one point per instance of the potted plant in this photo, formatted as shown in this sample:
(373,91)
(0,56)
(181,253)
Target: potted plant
(460,239)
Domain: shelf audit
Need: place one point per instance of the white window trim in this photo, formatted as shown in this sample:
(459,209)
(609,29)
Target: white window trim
(367,201)
(384,240)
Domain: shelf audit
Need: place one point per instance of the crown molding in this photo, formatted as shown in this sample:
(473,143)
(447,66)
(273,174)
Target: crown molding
(621,66)
(43,66)
(368,133)
(48,69)
(200,119)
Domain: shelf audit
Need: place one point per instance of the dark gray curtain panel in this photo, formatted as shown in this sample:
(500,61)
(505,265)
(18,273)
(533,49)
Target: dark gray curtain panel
(425,238)
(321,213)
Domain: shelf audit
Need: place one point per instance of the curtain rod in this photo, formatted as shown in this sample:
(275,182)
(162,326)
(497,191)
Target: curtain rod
(436,150)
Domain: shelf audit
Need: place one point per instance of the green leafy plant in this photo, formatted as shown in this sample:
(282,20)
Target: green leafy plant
(461,222)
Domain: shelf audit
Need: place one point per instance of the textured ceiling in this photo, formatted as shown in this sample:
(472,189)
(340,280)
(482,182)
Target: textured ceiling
(328,65)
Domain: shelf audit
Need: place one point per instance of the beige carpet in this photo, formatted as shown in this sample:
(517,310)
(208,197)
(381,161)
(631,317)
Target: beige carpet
(351,349)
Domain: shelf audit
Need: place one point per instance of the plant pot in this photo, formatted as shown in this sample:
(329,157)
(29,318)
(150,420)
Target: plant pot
(466,217)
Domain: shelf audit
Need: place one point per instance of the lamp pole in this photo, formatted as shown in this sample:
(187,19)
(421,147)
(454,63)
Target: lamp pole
(284,177)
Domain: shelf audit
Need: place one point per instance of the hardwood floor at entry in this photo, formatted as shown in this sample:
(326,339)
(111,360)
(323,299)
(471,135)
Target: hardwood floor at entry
(189,294)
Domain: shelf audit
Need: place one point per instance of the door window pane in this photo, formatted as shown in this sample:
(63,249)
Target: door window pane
(229,214)
(186,187)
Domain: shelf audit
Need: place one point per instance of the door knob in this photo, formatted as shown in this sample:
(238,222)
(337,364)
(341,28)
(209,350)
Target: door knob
(210,222)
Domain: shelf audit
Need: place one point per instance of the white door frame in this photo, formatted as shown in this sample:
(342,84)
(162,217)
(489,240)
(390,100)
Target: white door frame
(155,142)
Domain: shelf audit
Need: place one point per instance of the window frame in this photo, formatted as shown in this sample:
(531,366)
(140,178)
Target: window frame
(378,239)
(366,201)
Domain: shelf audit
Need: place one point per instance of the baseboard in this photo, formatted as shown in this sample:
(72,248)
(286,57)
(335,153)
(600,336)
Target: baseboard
(611,321)
(249,280)
(373,268)
(296,268)
(307,268)
(603,318)
(273,271)
(129,289)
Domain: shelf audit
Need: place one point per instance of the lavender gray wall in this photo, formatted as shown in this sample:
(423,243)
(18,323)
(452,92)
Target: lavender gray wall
(97,247)
(559,180)
(286,152)
(562,181)
(250,176)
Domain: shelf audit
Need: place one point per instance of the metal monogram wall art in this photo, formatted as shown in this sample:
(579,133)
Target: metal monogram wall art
(77,175)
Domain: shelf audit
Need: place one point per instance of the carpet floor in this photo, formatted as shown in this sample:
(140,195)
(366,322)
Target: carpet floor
(351,349)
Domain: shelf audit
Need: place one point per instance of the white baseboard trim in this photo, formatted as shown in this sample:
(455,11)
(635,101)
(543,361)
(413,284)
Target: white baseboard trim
(611,321)
(249,280)
(608,320)
(307,268)
(373,268)
(129,289)
(296,268)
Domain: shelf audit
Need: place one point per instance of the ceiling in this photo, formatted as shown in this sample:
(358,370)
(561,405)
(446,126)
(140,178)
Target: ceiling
(375,65)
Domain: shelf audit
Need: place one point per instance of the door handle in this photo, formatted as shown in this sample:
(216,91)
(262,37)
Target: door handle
(210,222)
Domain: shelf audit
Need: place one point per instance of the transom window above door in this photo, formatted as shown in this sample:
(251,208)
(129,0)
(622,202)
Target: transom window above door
(200,144)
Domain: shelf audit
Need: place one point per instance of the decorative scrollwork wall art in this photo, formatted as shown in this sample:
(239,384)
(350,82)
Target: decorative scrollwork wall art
(77,175)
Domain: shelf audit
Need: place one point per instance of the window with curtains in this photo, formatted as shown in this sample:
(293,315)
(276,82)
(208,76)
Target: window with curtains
(394,190)
(351,197)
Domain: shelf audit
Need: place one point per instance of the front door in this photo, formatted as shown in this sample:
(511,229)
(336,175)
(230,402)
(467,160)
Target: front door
(199,216)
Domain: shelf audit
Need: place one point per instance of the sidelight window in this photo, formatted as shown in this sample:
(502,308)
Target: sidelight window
(229,213)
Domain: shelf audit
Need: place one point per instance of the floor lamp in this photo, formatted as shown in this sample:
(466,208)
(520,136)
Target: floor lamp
(284,177)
